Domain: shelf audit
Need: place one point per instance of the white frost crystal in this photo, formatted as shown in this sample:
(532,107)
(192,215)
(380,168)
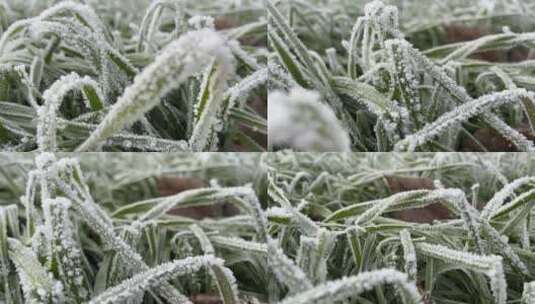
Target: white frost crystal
(300,120)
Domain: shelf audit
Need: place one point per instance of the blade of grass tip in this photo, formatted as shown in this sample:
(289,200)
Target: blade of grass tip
(290,37)
(235,96)
(368,211)
(323,246)
(353,238)
(53,96)
(28,200)
(179,61)
(288,59)
(240,245)
(529,103)
(153,277)
(84,13)
(409,255)
(16,27)
(352,61)
(499,198)
(203,239)
(406,81)
(305,255)
(86,17)
(190,198)
(10,284)
(304,224)
(36,71)
(226,284)
(462,97)
(464,112)
(490,265)
(152,15)
(504,248)
(429,275)
(372,99)
(520,216)
(209,110)
(341,289)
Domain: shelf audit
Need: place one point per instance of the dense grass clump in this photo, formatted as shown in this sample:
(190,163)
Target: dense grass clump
(402,228)
(164,75)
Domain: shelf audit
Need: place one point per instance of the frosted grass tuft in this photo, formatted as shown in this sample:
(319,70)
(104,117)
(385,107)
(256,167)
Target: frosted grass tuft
(394,95)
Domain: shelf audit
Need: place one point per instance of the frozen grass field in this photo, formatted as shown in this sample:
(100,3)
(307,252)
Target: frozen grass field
(282,227)
(309,222)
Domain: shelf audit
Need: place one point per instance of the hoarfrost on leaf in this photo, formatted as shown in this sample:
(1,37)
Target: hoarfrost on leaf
(174,65)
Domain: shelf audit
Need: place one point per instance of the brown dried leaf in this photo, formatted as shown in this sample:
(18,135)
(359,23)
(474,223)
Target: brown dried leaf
(170,185)
(206,299)
(493,141)
(421,215)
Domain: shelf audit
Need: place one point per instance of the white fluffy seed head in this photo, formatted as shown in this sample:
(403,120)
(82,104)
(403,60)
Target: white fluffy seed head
(302,122)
